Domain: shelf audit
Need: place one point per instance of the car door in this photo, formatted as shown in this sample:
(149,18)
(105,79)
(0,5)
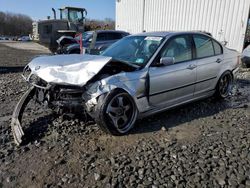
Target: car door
(209,57)
(174,83)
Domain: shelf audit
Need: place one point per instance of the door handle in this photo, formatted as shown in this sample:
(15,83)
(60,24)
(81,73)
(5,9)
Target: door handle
(218,60)
(191,67)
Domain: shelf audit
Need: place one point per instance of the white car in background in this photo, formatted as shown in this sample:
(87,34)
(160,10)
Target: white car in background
(24,38)
(4,38)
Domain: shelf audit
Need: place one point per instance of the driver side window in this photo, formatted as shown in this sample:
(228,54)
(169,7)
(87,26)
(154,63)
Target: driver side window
(180,48)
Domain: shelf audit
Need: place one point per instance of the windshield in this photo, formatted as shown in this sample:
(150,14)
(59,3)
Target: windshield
(64,14)
(71,15)
(134,49)
(75,16)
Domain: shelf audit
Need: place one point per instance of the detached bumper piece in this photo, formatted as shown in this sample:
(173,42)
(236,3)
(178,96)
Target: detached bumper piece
(18,113)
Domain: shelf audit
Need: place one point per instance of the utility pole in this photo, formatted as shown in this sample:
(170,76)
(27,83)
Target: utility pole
(143,15)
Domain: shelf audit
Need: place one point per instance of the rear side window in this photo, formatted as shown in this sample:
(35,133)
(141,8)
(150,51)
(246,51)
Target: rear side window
(204,46)
(217,48)
(180,48)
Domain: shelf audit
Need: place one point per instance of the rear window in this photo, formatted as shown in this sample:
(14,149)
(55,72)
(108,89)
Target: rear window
(217,48)
(114,36)
(204,46)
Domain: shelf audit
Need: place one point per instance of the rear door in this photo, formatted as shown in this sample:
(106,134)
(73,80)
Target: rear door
(209,57)
(174,83)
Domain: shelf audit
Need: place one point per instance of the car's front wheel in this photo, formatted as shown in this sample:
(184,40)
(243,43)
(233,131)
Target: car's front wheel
(224,85)
(116,112)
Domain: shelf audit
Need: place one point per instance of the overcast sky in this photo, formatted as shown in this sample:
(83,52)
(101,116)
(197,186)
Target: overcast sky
(40,9)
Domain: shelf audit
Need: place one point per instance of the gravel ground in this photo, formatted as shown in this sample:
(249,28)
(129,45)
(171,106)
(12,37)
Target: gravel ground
(204,144)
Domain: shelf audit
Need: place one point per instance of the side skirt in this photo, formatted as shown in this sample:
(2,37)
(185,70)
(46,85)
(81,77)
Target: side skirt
(155,110)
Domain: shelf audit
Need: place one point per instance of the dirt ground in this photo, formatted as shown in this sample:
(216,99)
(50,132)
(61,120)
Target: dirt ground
(203,144)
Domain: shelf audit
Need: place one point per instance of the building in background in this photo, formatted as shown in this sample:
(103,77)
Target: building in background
(226,20)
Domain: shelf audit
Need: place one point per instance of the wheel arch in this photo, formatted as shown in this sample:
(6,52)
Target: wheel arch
(225,68)
(223,72)
(104,101)
(217,92)
(124,89)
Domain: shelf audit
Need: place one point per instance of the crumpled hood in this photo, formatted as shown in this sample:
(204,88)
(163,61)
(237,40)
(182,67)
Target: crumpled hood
(68,69)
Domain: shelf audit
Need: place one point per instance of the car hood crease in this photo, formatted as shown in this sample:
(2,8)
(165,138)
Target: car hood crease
(68,69)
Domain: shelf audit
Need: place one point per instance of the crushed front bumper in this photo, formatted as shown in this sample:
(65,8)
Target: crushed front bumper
(61,100)
(18,113)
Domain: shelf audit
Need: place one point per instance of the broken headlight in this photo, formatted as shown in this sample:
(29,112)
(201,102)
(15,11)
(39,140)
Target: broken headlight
(29,77)
(26,73)
(34,79)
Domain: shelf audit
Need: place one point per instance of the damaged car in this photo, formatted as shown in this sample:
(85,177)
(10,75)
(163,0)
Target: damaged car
(138,76)
(93,42)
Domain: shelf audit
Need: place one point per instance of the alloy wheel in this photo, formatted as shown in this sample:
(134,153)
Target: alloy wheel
(121,111)
(225,85)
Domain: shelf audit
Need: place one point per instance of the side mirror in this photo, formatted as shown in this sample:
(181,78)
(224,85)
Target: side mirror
(165,61)
(90,40)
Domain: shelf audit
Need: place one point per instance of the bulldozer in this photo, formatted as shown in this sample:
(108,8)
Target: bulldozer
(71,22)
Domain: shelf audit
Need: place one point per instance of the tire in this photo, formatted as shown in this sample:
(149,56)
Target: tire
(116,112)
(224,85)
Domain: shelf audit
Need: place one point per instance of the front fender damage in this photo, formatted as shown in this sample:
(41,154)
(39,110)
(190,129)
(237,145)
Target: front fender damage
(136,88)
(18,113)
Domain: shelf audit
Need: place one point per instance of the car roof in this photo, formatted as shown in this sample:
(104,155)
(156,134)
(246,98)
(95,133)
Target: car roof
(156,34)
(107,31)
(168,33)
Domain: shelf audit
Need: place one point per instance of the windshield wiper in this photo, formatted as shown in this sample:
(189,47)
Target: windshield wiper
(128,63)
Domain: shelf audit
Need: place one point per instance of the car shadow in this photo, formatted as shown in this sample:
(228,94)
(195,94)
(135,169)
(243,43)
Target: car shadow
(196,110)
(37,129)
(11,69)
(182,114)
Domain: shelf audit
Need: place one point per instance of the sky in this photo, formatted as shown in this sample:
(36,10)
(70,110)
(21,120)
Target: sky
(40,9)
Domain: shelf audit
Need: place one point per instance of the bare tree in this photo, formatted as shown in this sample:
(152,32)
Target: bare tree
(105,24)
(15,24)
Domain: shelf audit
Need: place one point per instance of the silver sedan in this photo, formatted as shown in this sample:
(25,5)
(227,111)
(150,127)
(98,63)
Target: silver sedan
(137,76)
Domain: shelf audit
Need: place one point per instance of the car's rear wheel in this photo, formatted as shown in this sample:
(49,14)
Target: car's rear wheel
(116,112)
(224,85)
